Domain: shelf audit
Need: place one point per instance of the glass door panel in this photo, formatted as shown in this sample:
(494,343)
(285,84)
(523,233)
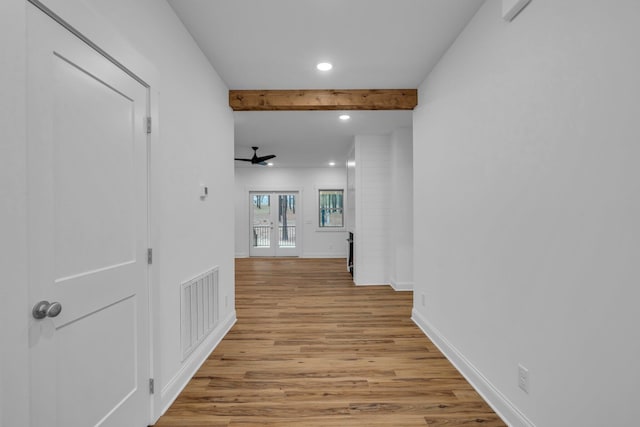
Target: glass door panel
(261,205)
(286,221)
(267,239)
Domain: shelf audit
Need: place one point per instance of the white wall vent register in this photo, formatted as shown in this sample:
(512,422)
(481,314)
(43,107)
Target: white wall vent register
(199,308)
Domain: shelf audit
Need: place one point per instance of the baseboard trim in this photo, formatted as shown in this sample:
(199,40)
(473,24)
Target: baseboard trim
(401,286)
(371,284)
(308,255)
(506,410)
(325,255)
(175,386)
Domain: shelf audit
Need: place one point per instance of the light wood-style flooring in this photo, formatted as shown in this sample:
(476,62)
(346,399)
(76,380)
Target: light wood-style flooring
(310,349)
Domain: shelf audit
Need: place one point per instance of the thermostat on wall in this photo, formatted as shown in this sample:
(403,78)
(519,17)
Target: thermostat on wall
(204,191)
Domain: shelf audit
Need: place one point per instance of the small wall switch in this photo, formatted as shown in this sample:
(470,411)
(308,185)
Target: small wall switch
(523,378)
(204,191)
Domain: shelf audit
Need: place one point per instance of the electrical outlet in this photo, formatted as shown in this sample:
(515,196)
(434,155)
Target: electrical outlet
(226,300)
(523,378)
(423,300)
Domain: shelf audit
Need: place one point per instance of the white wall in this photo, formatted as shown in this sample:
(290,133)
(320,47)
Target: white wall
(191,144)
(373,175)
(315,244)
(14,409)
(401,213)
(528,192)
(350,215)
(196,142)
(384,209)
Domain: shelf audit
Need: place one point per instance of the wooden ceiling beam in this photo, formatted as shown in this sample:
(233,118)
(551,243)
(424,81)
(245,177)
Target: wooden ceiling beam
(329,99)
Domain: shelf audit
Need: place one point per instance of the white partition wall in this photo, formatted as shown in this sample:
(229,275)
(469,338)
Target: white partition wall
(401,198)
(373,209)
(527,207)
(380,183)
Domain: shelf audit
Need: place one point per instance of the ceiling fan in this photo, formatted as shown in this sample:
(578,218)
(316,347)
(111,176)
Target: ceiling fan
(258,160)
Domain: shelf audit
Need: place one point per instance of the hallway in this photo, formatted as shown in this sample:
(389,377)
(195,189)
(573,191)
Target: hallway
(310,349)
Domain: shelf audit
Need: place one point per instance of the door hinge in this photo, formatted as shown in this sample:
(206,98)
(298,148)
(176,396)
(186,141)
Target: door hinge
(149,256)
(148,124)
(151,386)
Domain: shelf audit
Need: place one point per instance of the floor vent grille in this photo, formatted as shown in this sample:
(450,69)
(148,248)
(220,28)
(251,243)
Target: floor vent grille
(199,307)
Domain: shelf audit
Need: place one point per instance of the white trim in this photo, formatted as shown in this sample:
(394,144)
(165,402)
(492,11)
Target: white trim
(506,410)
(372,284)
(511,8)
(325,255)
(87,21)
(179,381)
(272,189)
(241,255)
(401,286)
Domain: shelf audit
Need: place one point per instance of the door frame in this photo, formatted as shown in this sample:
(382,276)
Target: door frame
(102,36)
(277,190)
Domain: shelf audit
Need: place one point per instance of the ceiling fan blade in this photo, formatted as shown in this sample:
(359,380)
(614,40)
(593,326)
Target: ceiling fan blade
(264,158)
(258,160)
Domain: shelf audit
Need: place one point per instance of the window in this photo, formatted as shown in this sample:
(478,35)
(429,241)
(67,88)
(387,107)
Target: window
(330,207)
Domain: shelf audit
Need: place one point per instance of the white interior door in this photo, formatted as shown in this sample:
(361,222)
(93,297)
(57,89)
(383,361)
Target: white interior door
(274,226)
(87,183)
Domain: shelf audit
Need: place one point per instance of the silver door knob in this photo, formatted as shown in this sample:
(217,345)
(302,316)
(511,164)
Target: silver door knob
(46,309)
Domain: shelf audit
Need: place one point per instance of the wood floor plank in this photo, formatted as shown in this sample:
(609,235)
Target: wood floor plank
(310,349)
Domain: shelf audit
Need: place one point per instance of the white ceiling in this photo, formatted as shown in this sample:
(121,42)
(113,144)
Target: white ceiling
(275,44)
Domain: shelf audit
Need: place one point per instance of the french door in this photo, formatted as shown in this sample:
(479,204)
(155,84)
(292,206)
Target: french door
(274,224)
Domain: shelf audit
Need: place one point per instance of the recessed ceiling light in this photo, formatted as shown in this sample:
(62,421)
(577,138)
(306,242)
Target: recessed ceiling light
(269,164)
(332,163)
(324,66)
(345,117)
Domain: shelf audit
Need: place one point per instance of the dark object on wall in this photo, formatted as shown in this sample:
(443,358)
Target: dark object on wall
(350,259)
(258,160)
